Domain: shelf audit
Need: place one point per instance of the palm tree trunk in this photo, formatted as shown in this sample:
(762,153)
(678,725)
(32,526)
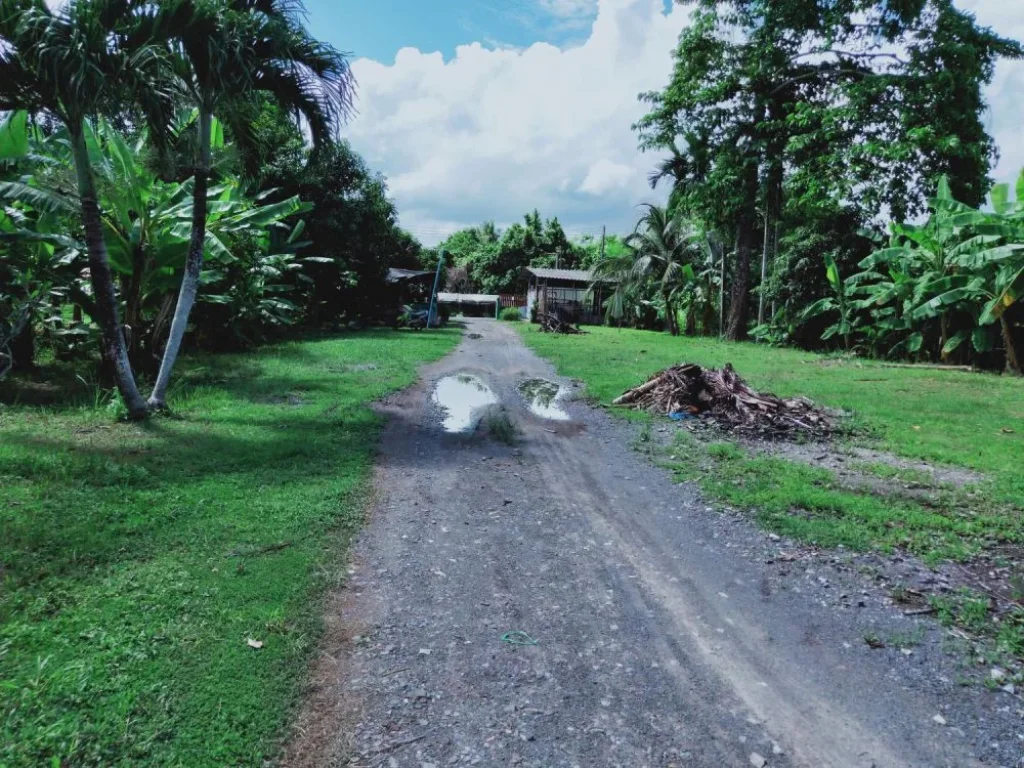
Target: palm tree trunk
(1013,361)
(193,266)
(670,320)
(115,351)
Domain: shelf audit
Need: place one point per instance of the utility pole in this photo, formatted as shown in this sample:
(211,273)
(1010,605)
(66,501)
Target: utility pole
(764,268)
(604,232)
(721,300)
(432,312)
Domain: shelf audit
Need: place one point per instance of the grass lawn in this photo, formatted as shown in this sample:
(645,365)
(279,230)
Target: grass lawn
(945,417)
(137,561)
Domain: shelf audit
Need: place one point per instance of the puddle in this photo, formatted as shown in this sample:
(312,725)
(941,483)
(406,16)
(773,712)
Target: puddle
(543,397)
(462,397)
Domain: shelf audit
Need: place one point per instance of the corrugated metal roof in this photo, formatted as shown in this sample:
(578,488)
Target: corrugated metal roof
(466,298)
(398,275)
(569,275)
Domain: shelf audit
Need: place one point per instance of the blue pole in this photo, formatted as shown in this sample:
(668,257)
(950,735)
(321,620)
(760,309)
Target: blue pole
(432,312)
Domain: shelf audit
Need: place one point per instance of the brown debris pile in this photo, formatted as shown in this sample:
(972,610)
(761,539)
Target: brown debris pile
(557,322)
(724,397)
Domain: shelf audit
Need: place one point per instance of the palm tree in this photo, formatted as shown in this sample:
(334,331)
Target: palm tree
(658,253)
(72,64)
(224,53)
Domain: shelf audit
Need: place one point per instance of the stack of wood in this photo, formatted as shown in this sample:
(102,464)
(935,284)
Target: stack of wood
(557,322)
(723,396)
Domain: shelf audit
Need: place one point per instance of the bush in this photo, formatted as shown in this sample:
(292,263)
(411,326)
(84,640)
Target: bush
(512,314)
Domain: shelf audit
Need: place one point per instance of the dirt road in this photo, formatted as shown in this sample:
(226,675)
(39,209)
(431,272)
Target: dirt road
(665,635)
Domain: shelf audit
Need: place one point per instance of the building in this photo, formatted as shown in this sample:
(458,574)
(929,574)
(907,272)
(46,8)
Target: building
(470,304)
(572,291)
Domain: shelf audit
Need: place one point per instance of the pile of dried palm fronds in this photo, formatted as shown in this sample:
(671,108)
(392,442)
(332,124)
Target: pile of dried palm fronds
(724,397)
(557,322)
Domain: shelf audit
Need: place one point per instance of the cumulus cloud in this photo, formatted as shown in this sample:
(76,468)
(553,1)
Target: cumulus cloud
(1005,120)
(494,132)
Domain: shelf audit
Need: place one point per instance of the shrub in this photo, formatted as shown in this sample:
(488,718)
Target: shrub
(511,314)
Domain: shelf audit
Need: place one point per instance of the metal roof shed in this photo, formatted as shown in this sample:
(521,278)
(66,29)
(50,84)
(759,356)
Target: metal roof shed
(571,291)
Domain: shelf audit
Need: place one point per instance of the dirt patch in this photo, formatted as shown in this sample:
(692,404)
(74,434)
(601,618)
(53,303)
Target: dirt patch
(322,730)
(915,479)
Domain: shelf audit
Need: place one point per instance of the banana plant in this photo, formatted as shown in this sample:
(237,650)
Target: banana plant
(950,267)
(842,303)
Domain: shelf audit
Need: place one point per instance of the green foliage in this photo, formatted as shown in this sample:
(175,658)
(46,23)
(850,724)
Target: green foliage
(942,284)
(353,232)
(139,560)
(788,125)
(511,314)
(841,304)
(493,261)
(668,265)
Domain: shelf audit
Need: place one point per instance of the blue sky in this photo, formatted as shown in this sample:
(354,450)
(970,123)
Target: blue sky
(377,30)
(486,109)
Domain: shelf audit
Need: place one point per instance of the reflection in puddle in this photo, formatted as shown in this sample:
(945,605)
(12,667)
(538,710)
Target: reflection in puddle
(543,397)
(462,397)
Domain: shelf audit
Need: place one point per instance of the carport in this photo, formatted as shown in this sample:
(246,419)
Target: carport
(470,304)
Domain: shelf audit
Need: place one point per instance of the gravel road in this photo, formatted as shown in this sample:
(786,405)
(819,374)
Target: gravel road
(666,634)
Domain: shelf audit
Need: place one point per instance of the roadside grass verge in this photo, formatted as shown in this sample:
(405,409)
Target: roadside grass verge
(944,417)
(137,561)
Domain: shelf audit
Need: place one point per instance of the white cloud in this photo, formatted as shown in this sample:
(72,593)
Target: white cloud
(495,132)
(1005,95)
(492,134)
(606,176)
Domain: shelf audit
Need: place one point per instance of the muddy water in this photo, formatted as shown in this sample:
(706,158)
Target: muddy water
(463,399)
(543,397)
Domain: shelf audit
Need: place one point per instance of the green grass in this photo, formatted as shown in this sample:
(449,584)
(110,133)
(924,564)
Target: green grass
(137,560)
(946,417)
(808,503)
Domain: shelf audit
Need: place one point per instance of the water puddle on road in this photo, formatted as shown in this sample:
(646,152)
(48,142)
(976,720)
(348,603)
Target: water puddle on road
(543,397)
(462,397)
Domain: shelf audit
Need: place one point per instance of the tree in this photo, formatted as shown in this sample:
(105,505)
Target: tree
(660,249)
(224,51)
(73,63)
(353,230)
(772,104)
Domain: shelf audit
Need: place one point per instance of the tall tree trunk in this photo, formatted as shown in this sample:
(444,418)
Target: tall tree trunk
(772,208)
(1013,361)
(671,321)
(193,265)
(115,351)
(746,243)
(23,348)
(131,293)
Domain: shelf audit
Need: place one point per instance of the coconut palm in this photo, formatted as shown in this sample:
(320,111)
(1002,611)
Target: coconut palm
(659,253)
(224,53)
(72,63)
